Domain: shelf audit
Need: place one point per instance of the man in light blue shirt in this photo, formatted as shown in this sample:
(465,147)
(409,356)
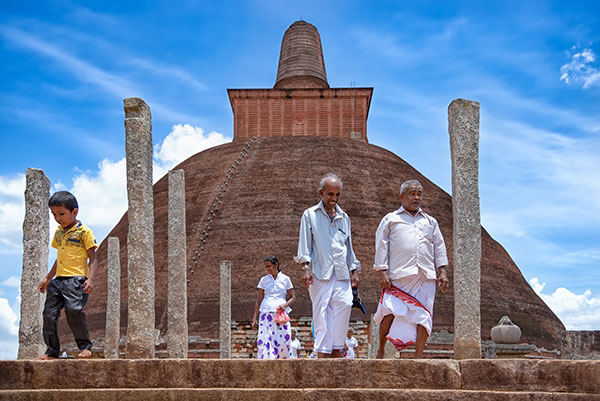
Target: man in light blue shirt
(330,267)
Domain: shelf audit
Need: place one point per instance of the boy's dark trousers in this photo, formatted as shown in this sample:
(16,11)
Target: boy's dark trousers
(65,292)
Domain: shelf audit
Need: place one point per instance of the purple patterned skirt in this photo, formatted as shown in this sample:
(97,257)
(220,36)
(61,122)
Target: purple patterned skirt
(273,338)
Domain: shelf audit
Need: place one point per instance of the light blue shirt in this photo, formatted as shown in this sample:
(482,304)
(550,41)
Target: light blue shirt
(326,243)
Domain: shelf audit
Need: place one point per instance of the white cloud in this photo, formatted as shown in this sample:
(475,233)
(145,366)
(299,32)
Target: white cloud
(539,190)
(580,68)
(102,195)
(88,73)
(9,329)
(12,187)
(168,71)
(8,319)
(577,312)
(546,177)
(9,349)
(12,281)
(591,254)
(115,84)
(12,212)
(182,142)
(537,286)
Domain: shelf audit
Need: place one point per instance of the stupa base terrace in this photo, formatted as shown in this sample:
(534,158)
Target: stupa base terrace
(300,379)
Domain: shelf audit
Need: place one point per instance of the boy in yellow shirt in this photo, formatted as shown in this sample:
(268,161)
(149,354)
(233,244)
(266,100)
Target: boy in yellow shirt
(73,277)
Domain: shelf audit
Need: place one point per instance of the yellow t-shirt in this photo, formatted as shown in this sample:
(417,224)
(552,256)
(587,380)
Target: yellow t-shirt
(72,247)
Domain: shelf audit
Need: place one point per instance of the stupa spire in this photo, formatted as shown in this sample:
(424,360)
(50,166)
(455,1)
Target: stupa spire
(301,62)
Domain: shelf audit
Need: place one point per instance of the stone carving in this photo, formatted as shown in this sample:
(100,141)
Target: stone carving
(488,350)
(177,344)
(506,332)
(225,309)
(140,240)
(113,300)
(463,126)
(36,234)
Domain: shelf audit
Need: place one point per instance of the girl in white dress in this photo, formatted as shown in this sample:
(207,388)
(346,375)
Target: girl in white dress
(351,344)
(294,345)
(273,338)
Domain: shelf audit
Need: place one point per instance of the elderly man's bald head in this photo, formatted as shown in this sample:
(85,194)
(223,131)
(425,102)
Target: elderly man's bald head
(328,178)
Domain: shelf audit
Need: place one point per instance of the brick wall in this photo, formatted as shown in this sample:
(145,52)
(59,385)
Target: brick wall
(338,112)
(243,338)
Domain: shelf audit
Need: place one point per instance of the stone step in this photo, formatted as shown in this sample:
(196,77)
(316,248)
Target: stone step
(519,375)
(193,353)
(439,353)
(293,394)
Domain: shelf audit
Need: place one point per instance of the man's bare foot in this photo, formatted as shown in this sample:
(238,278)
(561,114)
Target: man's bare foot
(45,358)
(86,353)
(379,354)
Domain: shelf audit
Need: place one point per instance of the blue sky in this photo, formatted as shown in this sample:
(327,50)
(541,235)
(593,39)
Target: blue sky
(533,66)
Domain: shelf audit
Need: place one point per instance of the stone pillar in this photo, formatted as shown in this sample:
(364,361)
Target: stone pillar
(140,239)
(374,344)
(36,233)
(463,126)
(390,352)
(177,343)
(225,309)
(113,300)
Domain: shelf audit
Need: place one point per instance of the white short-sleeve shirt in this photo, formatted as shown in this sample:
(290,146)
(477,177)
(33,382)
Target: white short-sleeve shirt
(294,347)
(275,292)
(351,343)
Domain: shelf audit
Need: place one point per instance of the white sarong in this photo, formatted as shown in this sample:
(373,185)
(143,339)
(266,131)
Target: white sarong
(410,300)
(331,305)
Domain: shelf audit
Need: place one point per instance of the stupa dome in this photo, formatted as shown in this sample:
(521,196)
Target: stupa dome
(259,214)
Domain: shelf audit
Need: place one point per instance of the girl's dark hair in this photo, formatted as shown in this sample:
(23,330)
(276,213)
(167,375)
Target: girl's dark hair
(272,259)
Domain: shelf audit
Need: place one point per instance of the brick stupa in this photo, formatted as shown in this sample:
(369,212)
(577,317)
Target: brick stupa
(301,103)
(244,200)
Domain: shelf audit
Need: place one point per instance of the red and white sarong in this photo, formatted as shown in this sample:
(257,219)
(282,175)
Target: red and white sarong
(410,300)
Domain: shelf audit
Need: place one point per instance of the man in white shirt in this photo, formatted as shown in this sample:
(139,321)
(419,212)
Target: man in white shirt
(330,267)
(409,247)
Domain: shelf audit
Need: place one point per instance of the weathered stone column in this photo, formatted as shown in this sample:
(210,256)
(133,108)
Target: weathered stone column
(113,300)
(36,233)
(374,333)
(140,239)
(225,309)
(463,126)
(177,343)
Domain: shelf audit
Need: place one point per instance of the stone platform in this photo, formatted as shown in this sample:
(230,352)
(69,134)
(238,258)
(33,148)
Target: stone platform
(242,379)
